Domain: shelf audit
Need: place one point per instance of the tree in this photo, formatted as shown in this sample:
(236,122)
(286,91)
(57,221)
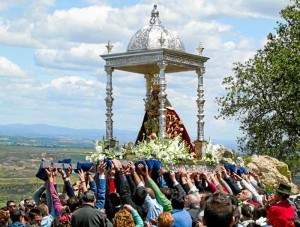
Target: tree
(264,94)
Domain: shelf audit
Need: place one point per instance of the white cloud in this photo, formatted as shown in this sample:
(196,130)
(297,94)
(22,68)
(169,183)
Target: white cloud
(10,69)
(68,39)
(82,56)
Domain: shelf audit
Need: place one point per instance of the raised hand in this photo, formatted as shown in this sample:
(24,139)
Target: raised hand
(49,172)
(128,207)
(81,175)
(69,171)
(102,167)
(172,176)
(117,164)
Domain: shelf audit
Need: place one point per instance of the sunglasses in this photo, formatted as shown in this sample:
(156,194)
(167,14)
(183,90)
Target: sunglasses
(12,206)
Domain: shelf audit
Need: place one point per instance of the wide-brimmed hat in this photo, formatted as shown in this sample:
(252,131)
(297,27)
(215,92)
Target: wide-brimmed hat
(284,189)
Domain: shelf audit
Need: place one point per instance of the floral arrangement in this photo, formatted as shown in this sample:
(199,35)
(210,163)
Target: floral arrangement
(213,153)
(167,151)
(105,151)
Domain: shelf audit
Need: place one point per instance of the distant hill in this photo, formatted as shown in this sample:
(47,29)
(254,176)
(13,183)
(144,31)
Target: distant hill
(44,130)
(50,131)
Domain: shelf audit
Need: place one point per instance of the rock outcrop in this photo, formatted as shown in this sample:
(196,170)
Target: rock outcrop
(271,171)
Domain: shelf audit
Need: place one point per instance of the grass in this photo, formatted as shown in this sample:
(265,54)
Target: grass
(19,165)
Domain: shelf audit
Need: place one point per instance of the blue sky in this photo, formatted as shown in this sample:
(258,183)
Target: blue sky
(51,72)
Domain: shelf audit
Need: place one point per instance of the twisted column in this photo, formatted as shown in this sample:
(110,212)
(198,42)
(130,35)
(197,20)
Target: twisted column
(148,79)
(200,104)
(109,103)
(162,99)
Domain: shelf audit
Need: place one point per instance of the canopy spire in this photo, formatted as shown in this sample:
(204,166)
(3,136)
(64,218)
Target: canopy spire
(154,16)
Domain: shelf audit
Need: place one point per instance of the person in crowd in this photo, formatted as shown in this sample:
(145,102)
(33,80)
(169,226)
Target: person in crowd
(192,205)
(280,212)
(165,219)
(115,194)
(17,218)
(127,217)
(218,211)
(11,205)
(181,217)
(4,217)
(247,211)
(34,218)
(88,215)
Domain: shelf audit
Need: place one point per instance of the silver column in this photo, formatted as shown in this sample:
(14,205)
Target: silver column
(148,78)
(162,99)
(200,104)
(109,103)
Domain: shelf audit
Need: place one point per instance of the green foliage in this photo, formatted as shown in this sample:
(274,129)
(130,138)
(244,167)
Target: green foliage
(247,160)
(264,94)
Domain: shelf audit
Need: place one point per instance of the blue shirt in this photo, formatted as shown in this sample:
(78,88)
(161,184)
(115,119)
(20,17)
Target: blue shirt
(154,209)
(182,218)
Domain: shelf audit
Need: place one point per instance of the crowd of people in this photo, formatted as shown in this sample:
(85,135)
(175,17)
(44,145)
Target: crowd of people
(143,193)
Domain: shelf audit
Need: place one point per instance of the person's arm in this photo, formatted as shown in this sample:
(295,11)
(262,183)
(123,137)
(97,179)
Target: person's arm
(38,193)
(136,217)
(131,183)
(198,182)
(225,185)
(232,184)
(216,182)
(122,186)
(177,186)
(65,175)
(55,198)
(160,197)
(101,187)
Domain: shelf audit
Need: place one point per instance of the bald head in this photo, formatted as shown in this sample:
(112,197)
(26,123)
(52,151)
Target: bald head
(192,201)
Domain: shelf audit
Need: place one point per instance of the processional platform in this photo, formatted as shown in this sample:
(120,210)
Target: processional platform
(154,51)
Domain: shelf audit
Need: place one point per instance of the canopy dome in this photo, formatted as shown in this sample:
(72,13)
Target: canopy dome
(155,36)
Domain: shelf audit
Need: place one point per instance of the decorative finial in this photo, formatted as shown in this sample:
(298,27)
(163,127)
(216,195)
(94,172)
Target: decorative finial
(161,40)
(200,48)
(109,47)
(154,16)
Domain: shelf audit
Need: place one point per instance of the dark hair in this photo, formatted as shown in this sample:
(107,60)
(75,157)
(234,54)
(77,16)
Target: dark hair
(63,199)
(247,210)
(115,200)
(73,203)
(15,215)
(218,211)
(259,211)
(168,192)
(10,201)
(139,196)
(177,201)
(34,212)
(88,196)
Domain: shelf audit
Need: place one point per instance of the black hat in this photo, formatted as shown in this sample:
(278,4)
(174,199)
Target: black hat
(284,189)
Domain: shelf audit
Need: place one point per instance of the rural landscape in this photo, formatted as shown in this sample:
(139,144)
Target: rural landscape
(20,158)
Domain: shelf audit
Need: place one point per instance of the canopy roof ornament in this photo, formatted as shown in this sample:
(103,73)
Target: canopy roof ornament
(154,16)
(155,36)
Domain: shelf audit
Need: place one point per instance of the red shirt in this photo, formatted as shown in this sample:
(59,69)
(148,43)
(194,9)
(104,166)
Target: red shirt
(281,214)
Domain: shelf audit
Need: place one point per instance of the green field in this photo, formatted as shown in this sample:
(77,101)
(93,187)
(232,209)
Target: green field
(19,165)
